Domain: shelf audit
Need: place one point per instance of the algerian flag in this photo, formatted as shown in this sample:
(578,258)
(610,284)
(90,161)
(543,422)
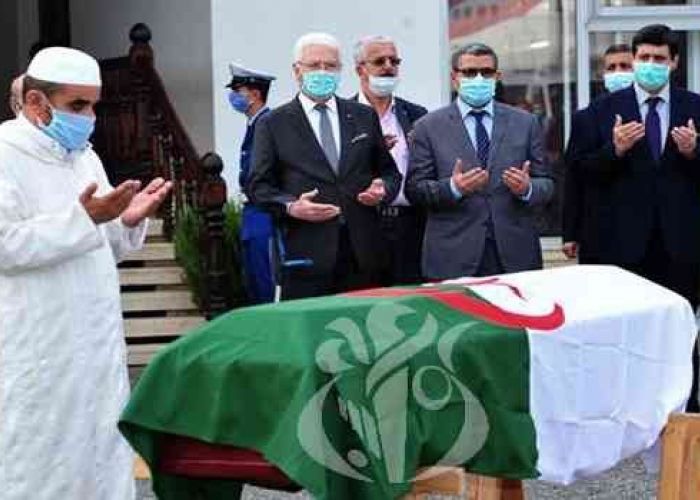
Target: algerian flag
(557,374)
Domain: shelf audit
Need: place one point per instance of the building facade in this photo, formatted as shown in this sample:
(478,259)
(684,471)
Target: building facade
(549,51)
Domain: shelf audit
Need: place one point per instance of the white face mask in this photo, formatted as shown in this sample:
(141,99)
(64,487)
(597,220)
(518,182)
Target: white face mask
(383,86)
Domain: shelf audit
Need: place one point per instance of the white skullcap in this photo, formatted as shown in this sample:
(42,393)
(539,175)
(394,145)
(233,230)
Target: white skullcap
(64,65)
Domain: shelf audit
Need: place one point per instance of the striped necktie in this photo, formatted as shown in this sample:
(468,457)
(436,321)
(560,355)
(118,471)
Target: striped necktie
(483,143)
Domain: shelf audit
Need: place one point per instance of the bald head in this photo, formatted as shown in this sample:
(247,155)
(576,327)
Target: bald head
(16,99)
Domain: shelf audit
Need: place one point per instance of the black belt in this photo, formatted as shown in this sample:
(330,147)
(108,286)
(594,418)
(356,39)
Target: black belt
(396,211)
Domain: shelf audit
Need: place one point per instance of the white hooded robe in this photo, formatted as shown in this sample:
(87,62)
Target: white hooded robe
(63,372)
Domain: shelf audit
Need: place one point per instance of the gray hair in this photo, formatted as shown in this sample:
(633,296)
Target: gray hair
(314,39)
(16,98)
(474,49)
(364,42)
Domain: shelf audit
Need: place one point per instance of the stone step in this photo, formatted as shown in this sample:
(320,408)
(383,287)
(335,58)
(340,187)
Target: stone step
(153,251)
(155,227)
(142,328)
(132,276)
(175,300)
(556,256)
(141,354)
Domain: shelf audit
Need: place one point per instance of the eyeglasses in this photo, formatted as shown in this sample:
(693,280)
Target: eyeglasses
(381,61)
(472,72)
(320,65)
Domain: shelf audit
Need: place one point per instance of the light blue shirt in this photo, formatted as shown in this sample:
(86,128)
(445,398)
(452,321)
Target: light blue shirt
(470,120)
(470,124)
(663,108)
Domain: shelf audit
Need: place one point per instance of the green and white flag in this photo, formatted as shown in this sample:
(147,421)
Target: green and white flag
(555,374)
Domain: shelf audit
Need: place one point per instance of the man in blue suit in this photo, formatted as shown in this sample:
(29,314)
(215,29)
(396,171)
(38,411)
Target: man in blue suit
(248,95)
(478,168)
(639,152)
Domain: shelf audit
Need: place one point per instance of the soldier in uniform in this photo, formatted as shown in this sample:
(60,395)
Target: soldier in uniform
(248,96)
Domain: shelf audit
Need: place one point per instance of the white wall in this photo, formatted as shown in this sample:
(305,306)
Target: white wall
(181,43)
(261,36)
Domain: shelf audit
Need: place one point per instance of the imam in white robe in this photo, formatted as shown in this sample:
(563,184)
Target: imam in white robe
(63,372)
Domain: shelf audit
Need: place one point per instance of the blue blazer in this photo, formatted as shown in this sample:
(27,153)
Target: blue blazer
(627,197)
(246,160)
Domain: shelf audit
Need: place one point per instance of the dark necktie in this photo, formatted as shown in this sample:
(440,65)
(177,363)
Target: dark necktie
(327,139)
(482,139)
(652,126)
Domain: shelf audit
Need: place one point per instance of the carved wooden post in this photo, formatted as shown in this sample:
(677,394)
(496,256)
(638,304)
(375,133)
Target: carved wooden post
(212,196)
(141,62)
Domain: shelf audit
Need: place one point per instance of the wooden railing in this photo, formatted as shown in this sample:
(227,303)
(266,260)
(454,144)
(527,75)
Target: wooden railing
(139,135)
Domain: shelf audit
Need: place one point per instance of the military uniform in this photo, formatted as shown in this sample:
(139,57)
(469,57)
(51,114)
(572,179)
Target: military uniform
(257,227)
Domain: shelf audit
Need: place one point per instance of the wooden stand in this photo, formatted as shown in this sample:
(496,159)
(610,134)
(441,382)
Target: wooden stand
(446,481)
(491,488)
(454,481)
(680,459)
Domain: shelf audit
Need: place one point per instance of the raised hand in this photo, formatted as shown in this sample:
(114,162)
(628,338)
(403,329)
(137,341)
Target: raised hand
(686,138)
(626,135)
(517,179)
(146,202)
(306,209)
(570,249)
(103,209)
(373,195)
(470,181)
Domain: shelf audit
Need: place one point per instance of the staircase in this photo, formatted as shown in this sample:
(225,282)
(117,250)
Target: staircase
(156,301)
(552,256)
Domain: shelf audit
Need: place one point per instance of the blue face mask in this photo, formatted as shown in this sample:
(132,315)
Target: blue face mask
(477,92)
(238,101)
(618,80)
(650,75)
(319,84)
(383,86)
(70,130)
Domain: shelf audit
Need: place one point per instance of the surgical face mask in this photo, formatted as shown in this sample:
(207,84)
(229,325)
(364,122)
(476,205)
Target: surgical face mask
(238,101)
(319,84)
(477,92)
(618,80)
(650,75)
(70,130)
(383,86)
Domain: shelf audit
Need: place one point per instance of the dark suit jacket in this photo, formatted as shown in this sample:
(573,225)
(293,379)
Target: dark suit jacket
(574,188)
(247,150)
(406,113)
(289,161)
(627,197)
(455,232)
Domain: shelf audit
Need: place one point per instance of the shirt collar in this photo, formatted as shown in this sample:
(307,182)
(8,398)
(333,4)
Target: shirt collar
(252,119)
(308,104)
(643,95)
(465,109)
(362,99)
